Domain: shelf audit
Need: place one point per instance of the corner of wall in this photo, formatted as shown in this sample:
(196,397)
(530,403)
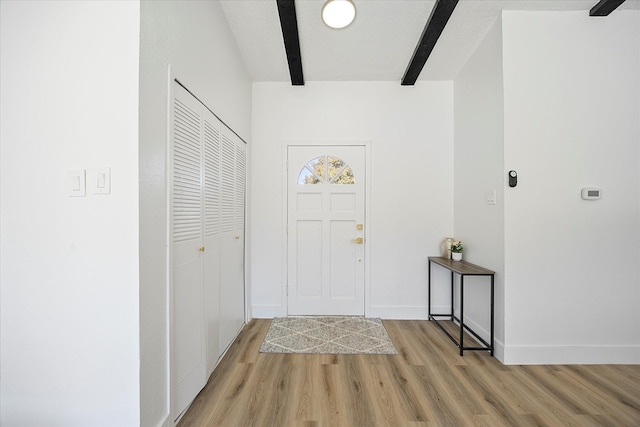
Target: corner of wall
(478,171)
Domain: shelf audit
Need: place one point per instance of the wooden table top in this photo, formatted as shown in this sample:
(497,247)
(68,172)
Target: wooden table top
(461,267)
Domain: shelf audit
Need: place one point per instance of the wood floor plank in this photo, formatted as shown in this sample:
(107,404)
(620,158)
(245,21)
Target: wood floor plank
(438,400)
(335,407)
(412,403)
(427,384)
(359,406)
(621,384)
(404,346)
(384,398)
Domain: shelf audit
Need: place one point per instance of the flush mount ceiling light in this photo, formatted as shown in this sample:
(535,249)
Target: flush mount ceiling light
(338,13)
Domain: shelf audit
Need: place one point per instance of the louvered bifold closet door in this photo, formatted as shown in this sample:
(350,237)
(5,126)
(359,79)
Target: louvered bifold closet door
(212,212)
(233,181)
(208,167)
(188,366)
(241,173)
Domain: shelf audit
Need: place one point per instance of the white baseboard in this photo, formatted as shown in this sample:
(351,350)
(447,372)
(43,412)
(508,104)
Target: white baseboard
(571,355)
(166,422)
(482,331)
(400,313)
(557,354)
(485,333)
(439,309)
(383,312)
(268,311)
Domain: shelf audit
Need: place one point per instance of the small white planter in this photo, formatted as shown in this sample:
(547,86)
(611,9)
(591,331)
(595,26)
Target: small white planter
(456,256)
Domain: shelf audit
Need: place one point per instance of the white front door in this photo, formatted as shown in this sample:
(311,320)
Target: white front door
(326,256)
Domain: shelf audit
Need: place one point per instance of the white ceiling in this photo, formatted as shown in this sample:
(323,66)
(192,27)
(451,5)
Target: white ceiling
(379,44)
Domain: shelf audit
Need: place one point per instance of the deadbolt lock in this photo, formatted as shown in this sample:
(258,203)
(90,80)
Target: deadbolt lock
(360,227)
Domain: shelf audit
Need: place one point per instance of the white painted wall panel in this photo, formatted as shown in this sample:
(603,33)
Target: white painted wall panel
(69,266)
(571,121)
(410,134)
(479,168)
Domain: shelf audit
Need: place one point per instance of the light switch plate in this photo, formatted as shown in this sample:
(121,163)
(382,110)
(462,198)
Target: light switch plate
(77,183)
(490,197)
(101,180)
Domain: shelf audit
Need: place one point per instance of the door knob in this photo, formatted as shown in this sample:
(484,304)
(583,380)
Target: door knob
(201,249)
(358,240)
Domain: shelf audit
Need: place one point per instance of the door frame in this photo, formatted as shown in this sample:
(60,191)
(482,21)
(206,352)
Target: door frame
(367,214)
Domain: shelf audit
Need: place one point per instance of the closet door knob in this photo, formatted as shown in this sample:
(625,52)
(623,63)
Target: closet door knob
(201,249)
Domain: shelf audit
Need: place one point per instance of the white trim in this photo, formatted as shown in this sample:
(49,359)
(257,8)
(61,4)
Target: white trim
(169,266)
(571,355)
(269,311)
(367,216)
(166,422)
(367,231)
(440,309)
(498,350)
(478,329)
(421,313)
(400,312)
(284,301)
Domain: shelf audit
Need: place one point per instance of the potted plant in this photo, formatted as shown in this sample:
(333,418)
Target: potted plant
(456,250)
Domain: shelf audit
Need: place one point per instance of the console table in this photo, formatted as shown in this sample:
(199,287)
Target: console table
(462,268)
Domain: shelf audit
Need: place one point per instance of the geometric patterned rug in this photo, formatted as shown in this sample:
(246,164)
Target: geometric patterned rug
(327,335)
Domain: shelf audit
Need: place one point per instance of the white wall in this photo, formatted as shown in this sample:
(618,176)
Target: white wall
(69,266)
(572,277)
(410,135)
(478,169)
(194,37)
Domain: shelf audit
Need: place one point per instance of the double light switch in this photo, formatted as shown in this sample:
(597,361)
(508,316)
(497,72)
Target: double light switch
(96,180)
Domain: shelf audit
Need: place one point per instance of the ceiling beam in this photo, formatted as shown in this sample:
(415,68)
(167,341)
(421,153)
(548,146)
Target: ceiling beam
(605,7)
(442,11)
(289,24)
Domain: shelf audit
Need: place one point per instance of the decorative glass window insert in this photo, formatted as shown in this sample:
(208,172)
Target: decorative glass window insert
(307,177)
(335,166)
(326,170)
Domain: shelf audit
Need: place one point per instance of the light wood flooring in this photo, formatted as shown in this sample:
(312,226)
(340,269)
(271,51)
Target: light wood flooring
(427,384)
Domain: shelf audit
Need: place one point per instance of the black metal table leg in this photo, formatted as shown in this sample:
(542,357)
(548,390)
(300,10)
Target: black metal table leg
(452,298)
(492,315)
(429,286)
(461,315)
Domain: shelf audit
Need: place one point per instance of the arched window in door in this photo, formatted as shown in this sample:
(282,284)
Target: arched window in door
(326,170)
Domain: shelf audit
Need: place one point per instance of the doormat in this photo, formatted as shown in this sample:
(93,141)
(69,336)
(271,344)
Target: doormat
(327,335)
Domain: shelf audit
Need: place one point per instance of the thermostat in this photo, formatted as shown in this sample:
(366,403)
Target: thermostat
(591,193)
